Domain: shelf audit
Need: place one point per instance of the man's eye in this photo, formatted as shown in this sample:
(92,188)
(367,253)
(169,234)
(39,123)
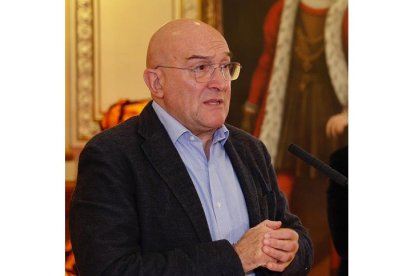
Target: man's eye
(202,68)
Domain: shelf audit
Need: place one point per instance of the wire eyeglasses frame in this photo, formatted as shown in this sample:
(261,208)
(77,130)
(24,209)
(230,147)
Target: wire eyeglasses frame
(204,72)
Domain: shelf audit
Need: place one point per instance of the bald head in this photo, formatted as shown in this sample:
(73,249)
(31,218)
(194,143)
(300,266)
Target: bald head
(199,105)
(179,37)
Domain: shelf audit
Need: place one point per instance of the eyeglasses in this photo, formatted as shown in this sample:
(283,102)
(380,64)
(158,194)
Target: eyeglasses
(204,72)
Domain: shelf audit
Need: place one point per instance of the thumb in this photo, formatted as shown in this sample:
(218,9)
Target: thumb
(273,224)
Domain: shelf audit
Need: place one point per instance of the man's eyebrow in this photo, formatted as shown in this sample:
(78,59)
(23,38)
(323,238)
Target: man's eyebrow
(198,57)
(230,54)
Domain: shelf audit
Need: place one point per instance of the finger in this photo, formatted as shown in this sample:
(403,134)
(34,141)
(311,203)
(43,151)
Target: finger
(280,256)
(337,130)
(340,128)
(276,266)
(282,234)
(273,224)
(284,245)
(331,131)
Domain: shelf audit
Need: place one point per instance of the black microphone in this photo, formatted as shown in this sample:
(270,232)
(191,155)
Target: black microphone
(318,164)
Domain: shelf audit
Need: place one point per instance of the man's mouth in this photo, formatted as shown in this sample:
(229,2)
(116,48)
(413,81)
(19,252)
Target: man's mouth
(214,102)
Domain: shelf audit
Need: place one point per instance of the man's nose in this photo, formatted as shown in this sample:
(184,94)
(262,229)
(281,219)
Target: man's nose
(218,73)
(217,79)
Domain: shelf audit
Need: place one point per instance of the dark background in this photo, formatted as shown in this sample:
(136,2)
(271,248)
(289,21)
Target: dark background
(242,28)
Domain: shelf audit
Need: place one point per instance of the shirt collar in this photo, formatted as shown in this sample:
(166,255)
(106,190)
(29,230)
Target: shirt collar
(175,129)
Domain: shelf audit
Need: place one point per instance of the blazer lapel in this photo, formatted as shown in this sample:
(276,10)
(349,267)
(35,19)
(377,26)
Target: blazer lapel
(246,181)
(167,162)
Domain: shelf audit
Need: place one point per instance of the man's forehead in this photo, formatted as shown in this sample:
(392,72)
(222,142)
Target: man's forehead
(195,56)
(185,40)
(203,49)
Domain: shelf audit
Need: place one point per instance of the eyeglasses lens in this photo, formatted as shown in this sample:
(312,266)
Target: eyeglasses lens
(230,71)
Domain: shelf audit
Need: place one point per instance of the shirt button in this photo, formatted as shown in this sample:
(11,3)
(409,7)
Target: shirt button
(218,204)
(192,138)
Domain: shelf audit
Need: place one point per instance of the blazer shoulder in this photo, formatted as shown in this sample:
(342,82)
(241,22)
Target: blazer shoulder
(119,134)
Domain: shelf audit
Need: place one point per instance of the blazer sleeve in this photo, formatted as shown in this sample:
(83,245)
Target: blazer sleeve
(303,260)
(105,228)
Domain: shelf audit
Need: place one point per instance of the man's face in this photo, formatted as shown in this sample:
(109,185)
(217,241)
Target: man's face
(200,107)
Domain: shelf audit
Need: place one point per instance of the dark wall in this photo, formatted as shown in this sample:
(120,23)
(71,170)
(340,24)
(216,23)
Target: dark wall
(242,27)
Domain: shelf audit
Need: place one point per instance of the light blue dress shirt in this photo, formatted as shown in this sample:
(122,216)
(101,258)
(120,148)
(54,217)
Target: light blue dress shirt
(214,179)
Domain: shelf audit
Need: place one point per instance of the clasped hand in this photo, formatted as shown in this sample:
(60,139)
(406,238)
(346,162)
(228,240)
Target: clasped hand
(267,245)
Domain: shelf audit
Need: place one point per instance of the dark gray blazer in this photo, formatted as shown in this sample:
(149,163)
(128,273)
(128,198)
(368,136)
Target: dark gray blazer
(135,210)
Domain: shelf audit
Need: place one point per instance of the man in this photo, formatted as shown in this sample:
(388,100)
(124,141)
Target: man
(175,191)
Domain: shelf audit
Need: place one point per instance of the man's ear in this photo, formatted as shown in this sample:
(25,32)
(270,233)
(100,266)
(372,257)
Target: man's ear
(153,79)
